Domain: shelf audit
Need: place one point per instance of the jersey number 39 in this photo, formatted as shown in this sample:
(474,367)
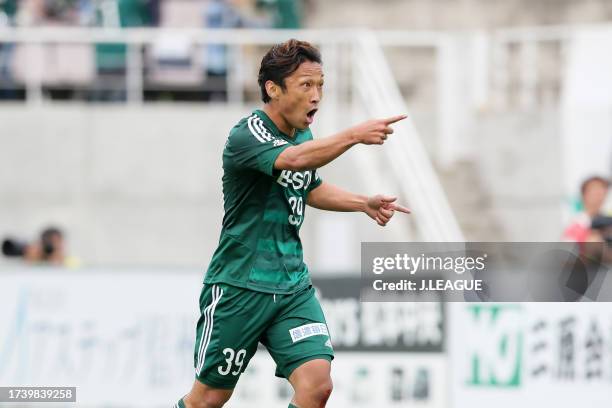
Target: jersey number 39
(297,208)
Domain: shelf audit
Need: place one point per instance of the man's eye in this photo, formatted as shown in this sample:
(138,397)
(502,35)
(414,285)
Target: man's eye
(307,84)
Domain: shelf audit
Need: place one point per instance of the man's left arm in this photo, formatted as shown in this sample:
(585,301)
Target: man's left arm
(332,198)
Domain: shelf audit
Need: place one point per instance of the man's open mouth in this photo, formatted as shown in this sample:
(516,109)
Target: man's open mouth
(310,115)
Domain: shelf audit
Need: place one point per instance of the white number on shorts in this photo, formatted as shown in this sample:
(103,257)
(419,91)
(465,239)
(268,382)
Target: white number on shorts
(238,361)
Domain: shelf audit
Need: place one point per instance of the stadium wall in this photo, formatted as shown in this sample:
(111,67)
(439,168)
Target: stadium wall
(141,185)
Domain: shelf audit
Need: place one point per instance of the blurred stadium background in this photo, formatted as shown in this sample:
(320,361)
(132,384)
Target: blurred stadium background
(113,115)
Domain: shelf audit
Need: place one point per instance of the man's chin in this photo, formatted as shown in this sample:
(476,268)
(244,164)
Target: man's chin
(302,126)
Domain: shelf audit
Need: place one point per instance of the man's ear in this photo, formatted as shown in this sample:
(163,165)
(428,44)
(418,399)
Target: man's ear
(273,90)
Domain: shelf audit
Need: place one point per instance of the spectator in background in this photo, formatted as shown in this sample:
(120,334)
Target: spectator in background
(287,14)
(60,12)
(8,11)
(52,246)
(8,8)
(86,11)
(111,57)
(50,249)
(153,10)
(594,191)
(221,14)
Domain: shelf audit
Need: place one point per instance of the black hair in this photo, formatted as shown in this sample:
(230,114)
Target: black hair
(282,60)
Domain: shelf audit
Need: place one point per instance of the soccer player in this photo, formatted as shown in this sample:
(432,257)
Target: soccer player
(257,288)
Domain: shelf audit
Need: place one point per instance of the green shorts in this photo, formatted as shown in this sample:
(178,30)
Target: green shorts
(234,320)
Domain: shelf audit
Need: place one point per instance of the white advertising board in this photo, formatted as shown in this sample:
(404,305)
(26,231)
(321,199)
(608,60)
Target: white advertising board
(125,339)
(530,354)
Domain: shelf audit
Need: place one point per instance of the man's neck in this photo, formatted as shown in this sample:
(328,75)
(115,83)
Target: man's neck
(279,121)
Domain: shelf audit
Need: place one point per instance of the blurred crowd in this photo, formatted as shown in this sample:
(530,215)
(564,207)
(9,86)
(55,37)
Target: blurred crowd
(141,13)
(170,63)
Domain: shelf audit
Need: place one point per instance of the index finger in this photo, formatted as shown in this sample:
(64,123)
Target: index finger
(394,119)
(401,208)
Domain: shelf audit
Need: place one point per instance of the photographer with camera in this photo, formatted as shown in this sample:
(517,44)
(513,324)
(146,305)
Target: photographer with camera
(48,249)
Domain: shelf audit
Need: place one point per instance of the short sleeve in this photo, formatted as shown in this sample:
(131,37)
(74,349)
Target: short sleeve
(252,146)
(316,181)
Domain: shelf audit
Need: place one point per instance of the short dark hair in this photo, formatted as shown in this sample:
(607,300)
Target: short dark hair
(593,179)
(46,239)
(48,233)
(283,60)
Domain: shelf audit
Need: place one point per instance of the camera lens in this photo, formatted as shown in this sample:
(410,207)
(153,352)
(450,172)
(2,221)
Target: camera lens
(13,248)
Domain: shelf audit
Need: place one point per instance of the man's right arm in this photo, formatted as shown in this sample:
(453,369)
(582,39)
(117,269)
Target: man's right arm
(317,153)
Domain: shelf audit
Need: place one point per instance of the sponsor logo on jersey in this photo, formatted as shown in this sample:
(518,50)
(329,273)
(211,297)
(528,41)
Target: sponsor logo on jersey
(308,330)
(296,179)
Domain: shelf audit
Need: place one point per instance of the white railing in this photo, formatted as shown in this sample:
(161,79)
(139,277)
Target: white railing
(137,38)
(517,56)
(498,43)
(406,155)
(506,69)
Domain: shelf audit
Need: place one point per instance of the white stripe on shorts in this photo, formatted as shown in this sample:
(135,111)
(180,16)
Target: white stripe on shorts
(206,313)
(209,314)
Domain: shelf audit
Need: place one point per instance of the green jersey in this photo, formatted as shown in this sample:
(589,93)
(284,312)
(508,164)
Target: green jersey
(260,247)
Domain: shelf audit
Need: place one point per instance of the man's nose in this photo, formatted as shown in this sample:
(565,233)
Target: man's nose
(315,96)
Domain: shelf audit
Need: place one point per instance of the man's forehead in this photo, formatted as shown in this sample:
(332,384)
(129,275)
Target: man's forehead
(597,184)
(308,68)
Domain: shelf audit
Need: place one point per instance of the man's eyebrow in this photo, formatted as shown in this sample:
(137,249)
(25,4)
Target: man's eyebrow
(308,76)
